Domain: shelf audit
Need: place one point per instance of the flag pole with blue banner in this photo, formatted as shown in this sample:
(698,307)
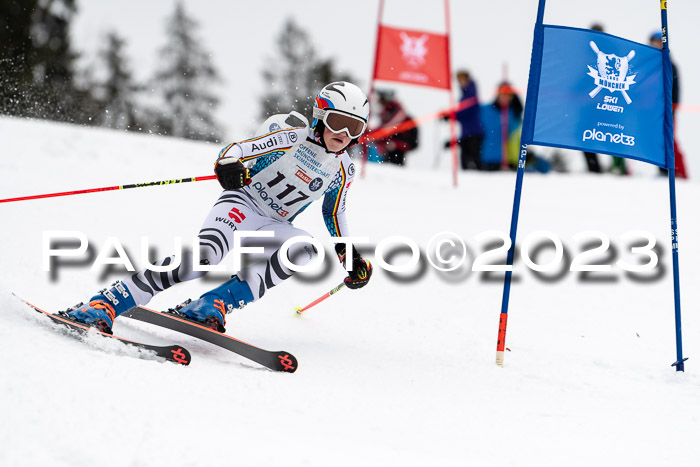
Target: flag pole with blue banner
(594,92)
(528,117)
(671,164)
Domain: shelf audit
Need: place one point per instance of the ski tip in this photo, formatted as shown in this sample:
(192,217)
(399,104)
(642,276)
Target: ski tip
(287,362)
(180,355)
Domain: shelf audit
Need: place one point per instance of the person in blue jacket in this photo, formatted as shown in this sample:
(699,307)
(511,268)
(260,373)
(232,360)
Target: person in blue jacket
(499,120)
(472,133)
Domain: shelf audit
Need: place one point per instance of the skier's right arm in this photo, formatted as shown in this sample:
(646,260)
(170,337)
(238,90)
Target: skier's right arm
(231,166)
(231,173)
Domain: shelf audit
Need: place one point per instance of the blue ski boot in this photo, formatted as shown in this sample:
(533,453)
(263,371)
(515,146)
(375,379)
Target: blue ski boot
(211,308)
(101,309)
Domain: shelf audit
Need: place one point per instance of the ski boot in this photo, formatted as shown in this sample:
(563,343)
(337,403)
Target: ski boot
(211,308)
(103,308)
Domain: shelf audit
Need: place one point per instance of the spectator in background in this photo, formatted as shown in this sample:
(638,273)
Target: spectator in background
(591,157)
(618,166)
(472,134)
(655,41)
(394,147)
(500,121)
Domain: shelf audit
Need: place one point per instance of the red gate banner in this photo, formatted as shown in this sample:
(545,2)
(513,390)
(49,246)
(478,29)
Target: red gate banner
(413,57)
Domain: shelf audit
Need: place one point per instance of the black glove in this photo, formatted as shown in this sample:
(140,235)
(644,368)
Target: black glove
(361,269)
(231,173)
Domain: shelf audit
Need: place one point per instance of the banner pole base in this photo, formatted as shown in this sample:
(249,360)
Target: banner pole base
(501,343)
(680,366)
(499,358)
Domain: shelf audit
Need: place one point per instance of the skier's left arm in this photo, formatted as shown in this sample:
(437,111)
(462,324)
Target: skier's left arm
(333,210)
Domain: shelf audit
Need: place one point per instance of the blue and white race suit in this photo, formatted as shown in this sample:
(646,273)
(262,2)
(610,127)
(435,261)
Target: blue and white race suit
(289,169)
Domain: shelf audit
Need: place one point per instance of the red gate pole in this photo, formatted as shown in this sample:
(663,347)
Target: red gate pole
(453,116)
(365,149)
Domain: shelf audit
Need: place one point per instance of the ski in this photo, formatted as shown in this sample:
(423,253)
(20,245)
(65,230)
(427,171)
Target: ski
(277,361)
(171,353)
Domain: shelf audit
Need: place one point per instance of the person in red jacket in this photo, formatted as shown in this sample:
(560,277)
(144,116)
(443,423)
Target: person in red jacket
(395,147)
(655,41)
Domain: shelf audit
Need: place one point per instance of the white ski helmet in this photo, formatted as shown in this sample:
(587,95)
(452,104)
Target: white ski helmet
(341,107)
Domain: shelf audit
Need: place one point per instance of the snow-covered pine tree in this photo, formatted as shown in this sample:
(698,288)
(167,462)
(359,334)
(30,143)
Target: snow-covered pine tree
(118,91)
(37,62)
(184,79)
(296,74)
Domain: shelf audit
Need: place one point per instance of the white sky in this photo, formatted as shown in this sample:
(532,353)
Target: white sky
(485,35)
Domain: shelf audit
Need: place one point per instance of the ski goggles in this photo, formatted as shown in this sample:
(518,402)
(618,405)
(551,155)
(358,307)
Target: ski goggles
(338,122)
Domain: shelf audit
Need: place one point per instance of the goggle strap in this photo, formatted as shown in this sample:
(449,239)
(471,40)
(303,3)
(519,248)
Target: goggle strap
(319,113)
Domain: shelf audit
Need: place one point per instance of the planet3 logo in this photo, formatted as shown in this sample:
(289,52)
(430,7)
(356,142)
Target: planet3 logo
(616,138)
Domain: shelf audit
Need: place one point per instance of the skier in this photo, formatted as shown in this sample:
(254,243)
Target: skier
(267,180)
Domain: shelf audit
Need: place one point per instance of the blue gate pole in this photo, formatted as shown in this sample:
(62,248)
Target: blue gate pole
(671,165)
(679,363)
(528,122)
(503,320)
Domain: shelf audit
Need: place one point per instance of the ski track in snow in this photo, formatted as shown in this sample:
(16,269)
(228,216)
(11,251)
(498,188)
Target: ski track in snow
(399,373)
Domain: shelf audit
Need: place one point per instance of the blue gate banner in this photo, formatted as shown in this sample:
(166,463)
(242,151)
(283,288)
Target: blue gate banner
(598,93)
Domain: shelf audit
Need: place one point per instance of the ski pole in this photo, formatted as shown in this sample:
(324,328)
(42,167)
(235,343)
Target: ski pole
(300,310)
(110,188)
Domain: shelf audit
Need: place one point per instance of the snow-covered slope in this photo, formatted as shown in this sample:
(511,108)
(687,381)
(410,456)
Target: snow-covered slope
(401,372)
